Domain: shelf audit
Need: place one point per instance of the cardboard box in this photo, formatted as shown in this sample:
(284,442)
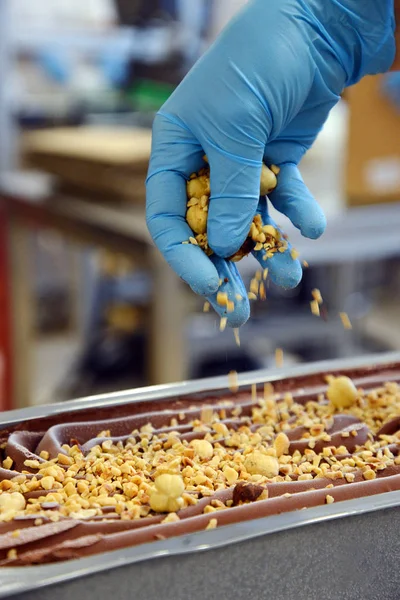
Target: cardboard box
(111,162)
(373,160)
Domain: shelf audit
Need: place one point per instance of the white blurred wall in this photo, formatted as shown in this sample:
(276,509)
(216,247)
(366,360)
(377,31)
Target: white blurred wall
(62,13)
(223,11)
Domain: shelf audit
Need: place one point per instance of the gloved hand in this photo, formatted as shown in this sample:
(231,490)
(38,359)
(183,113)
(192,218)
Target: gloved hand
(263,91)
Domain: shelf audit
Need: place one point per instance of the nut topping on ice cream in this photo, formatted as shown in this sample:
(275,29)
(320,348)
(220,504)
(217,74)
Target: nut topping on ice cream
(122,476)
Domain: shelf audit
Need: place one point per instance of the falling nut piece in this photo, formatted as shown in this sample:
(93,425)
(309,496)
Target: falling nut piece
(281,444)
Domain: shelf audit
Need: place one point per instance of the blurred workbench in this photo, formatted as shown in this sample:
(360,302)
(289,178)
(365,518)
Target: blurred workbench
(110,167)
(28,204)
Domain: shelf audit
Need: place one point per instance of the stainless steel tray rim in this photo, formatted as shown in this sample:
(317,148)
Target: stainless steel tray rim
(182,389)
(204,540)
(17,580)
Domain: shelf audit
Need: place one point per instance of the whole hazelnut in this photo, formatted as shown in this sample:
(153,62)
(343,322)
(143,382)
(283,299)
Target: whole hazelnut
(341,392)
(257,463)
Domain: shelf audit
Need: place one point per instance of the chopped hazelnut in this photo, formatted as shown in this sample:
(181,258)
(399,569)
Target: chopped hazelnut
(10,505)
(281,444)
(65,460)
(7,463)
(170,485)
(369,474)
(171,518)
(198,187)
(202,448)
(47,482)
(268,180)
(213,523)
(257,463)
(341,393)
(231,475)
(162,503)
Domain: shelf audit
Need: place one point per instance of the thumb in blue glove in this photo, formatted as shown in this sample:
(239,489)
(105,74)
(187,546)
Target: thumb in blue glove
(261,93)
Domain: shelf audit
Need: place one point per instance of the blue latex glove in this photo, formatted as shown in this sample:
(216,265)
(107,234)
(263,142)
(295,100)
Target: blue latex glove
(263,91)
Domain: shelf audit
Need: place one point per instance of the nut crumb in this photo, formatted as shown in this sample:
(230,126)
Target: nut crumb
(206,414)
(369,474)
(279,357)
(330,499)
(254,392)
(203,449)
(281,444)
(171,518)
(316,294)
(213,523)
(314,305)
(344,317)
(223,323)
(233,382)
(222,298)
(231,475)
(7,463)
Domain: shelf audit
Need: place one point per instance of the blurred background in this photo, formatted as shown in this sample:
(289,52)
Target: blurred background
(87,305)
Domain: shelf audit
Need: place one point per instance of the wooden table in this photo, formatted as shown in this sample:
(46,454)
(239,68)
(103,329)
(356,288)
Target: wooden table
(27,205)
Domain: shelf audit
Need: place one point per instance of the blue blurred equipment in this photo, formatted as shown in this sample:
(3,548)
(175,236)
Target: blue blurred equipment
(57,64)
(114,64)
(391,88)
(262,92)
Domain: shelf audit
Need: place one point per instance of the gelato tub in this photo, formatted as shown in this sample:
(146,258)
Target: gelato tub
(286,482)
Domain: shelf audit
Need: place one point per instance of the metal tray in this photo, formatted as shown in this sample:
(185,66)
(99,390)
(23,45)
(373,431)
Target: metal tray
(348,550)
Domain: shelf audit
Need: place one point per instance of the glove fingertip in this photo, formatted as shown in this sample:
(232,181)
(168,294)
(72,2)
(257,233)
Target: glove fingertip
(240,316)
(205,287)
(314,232)
(235,319)
(287,281)
(315,226)
(225,250)
(285,272)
